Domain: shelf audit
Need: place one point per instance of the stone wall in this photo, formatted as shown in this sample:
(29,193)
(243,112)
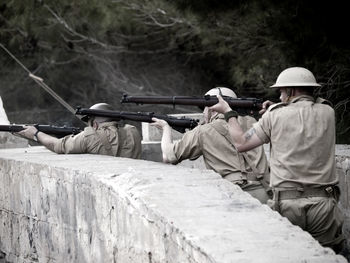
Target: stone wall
(93,208)
(343,170)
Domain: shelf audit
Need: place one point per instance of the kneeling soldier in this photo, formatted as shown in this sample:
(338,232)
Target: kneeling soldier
(212,141)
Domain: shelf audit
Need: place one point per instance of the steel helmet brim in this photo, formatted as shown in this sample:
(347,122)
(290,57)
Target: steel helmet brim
(286,85)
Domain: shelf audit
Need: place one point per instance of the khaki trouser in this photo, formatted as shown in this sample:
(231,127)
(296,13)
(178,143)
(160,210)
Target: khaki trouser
(254,188)
(318,215)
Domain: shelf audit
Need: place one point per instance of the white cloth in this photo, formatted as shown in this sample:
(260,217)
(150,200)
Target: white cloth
(3,116)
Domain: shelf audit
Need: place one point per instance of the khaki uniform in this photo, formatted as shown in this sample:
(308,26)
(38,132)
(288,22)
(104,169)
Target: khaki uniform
(109,139)
(302,162)
(213,141)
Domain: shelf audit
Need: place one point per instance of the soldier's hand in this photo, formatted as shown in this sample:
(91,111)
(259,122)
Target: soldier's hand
(221,107)
(160,124)
(28,132)
(266,104)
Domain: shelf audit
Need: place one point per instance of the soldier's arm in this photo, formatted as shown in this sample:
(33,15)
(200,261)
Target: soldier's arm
(43,138)
(243,141)
(167,142)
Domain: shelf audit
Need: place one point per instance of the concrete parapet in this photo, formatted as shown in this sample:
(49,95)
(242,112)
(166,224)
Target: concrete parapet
(93,208)
(343,171)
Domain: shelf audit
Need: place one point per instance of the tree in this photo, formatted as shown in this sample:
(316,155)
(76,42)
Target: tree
(92,51)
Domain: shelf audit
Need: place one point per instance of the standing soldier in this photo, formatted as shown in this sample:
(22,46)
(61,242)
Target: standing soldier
(212,140)
(301,132)
(102,136)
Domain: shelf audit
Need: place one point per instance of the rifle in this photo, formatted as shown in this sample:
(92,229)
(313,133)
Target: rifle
(57,131)
(238,104)
(179,124)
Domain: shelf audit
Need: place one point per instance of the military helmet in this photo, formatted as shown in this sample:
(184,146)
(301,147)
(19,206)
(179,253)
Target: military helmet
(98,106)
(222,91)
(295,77)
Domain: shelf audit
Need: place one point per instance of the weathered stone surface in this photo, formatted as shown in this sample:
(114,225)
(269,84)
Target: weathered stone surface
(93,208)
(343,171)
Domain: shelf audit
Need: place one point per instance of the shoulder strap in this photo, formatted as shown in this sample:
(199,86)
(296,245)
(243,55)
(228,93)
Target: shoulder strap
(122,135)
(324,101)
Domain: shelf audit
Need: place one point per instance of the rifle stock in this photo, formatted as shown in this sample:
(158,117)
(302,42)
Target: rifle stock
(179,124)
(49,129)
(247,104)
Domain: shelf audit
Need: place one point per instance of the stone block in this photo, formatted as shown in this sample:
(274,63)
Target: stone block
(94,208)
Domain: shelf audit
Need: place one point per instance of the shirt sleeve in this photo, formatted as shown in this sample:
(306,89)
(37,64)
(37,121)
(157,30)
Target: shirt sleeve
(189,146)
(263,128)
(71,144)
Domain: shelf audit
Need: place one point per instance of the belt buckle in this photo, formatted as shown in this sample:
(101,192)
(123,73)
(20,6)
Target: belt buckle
(329,190)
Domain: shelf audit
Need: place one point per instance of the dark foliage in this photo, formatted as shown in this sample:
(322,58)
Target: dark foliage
(93,51)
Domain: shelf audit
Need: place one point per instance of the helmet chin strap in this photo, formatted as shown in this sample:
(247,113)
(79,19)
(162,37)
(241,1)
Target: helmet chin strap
(290,94)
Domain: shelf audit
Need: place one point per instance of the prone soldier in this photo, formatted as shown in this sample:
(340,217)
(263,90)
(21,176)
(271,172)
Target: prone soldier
(102,136)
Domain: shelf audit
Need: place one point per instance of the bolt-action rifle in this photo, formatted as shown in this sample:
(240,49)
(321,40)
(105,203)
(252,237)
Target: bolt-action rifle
(238,104)
(56,131)
(179,124)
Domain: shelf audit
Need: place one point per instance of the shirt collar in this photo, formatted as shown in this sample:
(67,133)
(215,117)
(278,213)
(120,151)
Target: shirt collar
(302,98)
(107,124)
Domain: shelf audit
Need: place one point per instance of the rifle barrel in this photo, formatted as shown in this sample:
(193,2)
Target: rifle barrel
(49,129)
(11,128)
(179,124)
(204,101)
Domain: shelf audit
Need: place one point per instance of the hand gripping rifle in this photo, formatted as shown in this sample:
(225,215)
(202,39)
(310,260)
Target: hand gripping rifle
(56,131)
(179,124)
(238,104)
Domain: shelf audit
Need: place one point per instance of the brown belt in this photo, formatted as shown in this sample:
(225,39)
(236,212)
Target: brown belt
(239,176)
(252,176)
(284,194)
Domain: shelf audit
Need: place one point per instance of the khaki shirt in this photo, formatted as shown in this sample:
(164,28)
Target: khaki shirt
(108,139)
(218,153)
(302,139)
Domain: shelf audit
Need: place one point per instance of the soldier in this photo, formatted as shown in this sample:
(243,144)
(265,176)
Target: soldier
(301,132)
(247,170)
(102,136)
